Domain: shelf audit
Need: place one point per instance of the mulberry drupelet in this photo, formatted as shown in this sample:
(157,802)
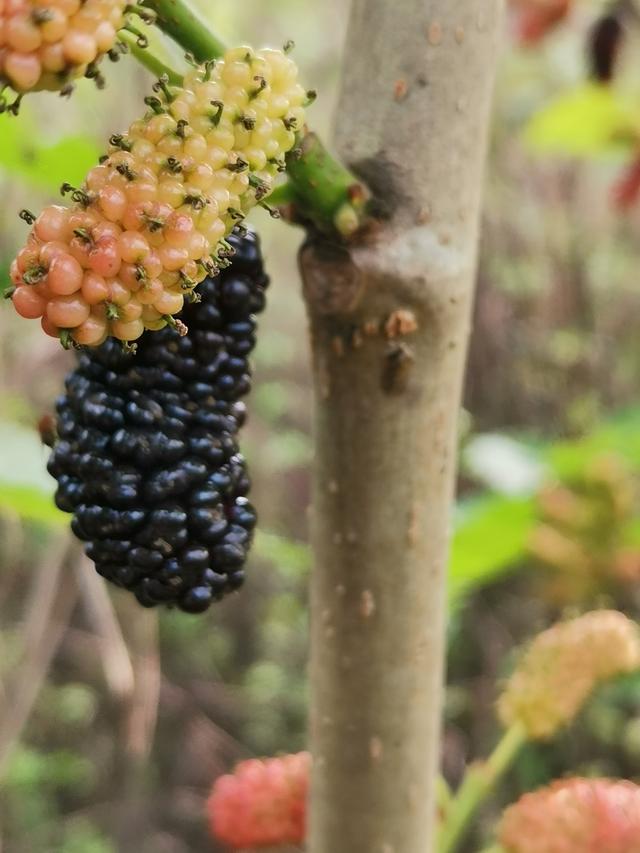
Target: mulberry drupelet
(147,458)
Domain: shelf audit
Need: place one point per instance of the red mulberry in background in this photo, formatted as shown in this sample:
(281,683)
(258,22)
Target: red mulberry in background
(575,816)
(262,803)
(44,44)
(149,223)
(148,459)
(626,189)
(534,19)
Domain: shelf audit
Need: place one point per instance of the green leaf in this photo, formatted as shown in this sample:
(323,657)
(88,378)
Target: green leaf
(5,282)
(58,769)
(80,836)
(292,559)
(45,166)
(31,505)
(25,487)
(588,121)
(490,537)
(23,458)
(619,436)
(491,532)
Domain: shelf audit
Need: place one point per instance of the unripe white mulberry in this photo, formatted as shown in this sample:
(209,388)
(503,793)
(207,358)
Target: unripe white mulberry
(149,222)
(561,668)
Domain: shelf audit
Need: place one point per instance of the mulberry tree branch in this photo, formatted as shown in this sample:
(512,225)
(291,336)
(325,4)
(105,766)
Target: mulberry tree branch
(390,317)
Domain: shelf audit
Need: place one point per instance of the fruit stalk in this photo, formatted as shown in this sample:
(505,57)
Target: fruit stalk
(323,190)
(186,26)
(147,58)
(390,317)
(479,781)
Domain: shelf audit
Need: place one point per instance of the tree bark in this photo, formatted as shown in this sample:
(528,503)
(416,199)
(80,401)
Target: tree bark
(390,320)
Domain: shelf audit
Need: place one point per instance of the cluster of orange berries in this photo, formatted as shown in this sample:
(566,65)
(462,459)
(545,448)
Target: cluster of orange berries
(46,43)
(150,221)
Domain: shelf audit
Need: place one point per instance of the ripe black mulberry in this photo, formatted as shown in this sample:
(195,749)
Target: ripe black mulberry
(147,458)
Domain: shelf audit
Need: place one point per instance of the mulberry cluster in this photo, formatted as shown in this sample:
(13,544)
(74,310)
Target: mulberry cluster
(563,666)
(46,43)
(263,803)
(149,223)
(147,458)
(575,816)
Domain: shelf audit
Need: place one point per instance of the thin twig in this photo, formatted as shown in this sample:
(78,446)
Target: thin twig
(143,708)
(118,669)
(49,608)
(12,546)
(139,717)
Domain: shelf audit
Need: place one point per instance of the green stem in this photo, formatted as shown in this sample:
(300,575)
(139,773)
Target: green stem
(320,191)
(444,797)
(284,194)
(495,848)
(186,26)
(478,783)
(148,58)
(323,189)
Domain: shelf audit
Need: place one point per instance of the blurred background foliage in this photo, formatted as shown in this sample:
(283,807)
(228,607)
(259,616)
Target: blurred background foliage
(114,722)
